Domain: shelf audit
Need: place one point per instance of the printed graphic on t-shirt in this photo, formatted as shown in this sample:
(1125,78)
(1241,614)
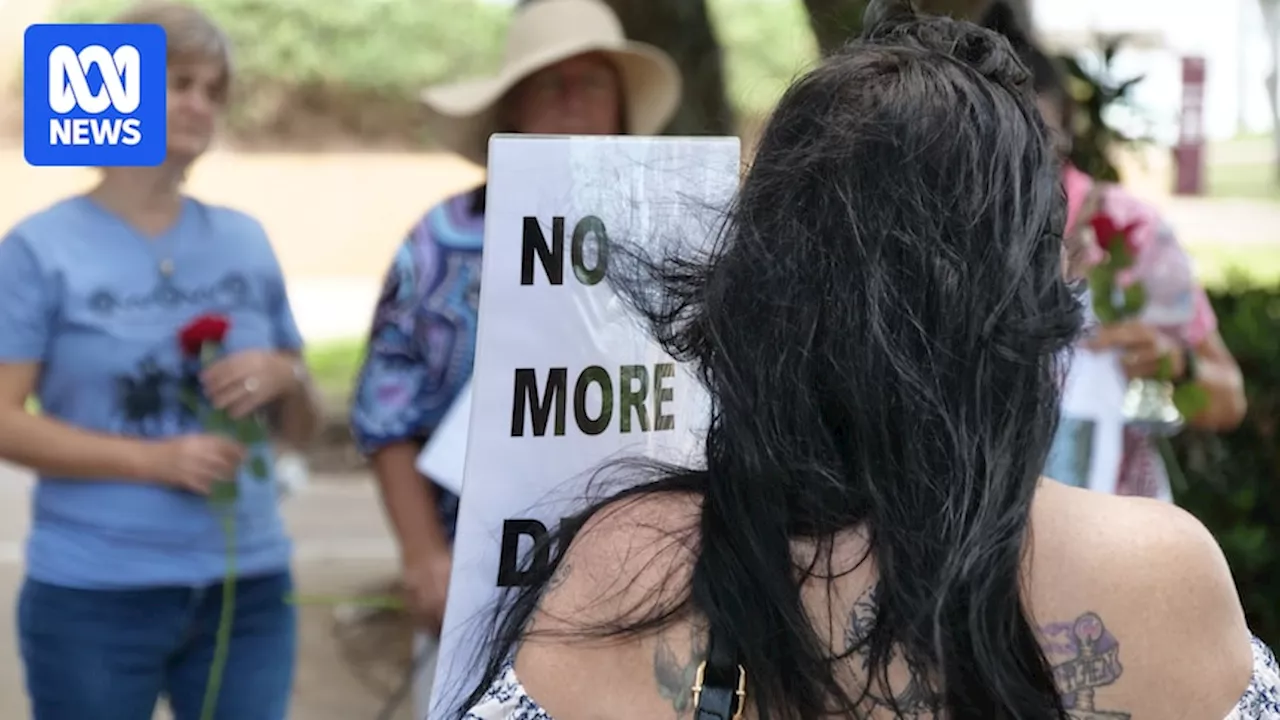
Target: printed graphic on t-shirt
(232,291)
(161,396)
(157,400)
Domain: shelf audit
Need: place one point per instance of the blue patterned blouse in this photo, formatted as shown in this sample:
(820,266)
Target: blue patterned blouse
(423,340)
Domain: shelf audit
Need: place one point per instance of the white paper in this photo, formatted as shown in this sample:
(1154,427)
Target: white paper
(1088,447)
(643,190)
(445,455)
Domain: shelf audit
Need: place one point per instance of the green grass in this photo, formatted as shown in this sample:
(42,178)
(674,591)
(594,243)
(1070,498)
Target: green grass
(1249,181)
(334,365)
(1243,167)
(1216,265)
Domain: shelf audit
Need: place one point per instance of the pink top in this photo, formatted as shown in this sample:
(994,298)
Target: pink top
(1176,304)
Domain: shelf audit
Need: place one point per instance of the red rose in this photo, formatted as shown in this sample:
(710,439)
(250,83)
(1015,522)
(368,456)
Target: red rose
(1108,232)
(209,328)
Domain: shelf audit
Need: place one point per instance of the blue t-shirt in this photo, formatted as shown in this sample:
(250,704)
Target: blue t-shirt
(88,297)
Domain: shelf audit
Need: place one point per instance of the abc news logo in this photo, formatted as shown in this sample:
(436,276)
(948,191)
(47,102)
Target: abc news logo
(95,95)
(69,91)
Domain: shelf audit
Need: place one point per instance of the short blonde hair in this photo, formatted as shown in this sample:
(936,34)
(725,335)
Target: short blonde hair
(192,35)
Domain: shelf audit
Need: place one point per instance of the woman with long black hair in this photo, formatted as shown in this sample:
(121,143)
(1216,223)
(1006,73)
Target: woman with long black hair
(881,326)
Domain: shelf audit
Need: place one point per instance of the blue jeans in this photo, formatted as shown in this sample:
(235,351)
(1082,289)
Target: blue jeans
(110,654)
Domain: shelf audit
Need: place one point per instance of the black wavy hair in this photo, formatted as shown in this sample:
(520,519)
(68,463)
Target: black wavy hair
(1046,74)
(879,325)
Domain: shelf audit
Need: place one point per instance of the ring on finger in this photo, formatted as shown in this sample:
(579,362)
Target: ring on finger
(251,385)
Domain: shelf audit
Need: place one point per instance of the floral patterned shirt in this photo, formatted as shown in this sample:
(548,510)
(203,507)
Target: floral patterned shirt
(506,699)
(423,339)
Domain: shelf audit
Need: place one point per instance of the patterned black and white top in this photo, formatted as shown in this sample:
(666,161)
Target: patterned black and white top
(507,700)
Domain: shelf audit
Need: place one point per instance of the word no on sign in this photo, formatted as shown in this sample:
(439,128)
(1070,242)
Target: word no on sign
(94,95)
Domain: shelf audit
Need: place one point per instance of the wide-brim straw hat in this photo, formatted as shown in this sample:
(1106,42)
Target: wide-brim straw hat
(462,115)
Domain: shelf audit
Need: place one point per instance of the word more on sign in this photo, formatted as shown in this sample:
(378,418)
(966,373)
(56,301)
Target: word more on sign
(94,95)
(565,377)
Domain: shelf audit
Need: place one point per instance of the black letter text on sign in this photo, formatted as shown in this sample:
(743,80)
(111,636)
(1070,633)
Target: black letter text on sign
(528,402)
(526,394)
(510,574)
(598,376)
(551,255)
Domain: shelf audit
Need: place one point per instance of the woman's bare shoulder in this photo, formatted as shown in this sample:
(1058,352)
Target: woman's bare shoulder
(1138,535)
(630,557)
(1135,602)
(1060,513)
(631,561)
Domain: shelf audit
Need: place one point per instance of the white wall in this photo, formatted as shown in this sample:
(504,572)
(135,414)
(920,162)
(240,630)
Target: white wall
(1225,32)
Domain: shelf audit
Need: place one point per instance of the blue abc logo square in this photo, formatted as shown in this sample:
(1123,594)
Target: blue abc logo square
(94,95)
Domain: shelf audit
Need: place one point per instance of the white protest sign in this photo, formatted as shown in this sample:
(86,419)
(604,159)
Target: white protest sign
(1090,440)
(565,379)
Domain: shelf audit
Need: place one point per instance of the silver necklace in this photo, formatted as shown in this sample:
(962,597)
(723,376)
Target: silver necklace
(164,260)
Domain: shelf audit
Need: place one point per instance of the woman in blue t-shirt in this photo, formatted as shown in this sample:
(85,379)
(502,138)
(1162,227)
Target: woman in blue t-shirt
(126,556)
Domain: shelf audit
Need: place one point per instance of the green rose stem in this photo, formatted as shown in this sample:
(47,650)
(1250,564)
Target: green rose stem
(222,498)
(373,602)
(222,643)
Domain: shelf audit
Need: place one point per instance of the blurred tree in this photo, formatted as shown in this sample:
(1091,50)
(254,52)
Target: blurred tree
(738,56)
(313,71)
(1096,89)
(683,29)
(766,45)
(834,22)
(1271,24)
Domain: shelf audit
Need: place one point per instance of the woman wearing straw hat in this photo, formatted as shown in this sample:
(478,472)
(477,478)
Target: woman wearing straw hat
(567,70)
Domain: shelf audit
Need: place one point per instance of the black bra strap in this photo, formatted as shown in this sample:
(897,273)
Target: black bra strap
(720,688)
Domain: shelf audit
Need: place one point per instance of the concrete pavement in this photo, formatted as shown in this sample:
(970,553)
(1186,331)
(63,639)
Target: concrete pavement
(342,549)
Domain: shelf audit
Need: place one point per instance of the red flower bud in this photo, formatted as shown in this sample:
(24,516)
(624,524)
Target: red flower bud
(210,328)
(1107,232)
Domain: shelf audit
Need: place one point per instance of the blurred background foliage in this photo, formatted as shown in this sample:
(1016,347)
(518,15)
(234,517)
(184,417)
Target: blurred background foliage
(1097,91)
(1234,478)
(329,68)
(309,68)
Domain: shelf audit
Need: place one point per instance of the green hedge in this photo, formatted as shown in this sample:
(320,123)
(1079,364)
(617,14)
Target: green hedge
(1234,479)
(767,45)
(394,45)
(354,68)
(339,66)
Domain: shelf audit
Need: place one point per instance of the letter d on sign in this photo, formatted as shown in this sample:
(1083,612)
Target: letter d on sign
(509,572)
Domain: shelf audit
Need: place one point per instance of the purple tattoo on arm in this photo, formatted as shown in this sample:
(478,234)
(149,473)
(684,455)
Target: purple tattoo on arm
(1084,657)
